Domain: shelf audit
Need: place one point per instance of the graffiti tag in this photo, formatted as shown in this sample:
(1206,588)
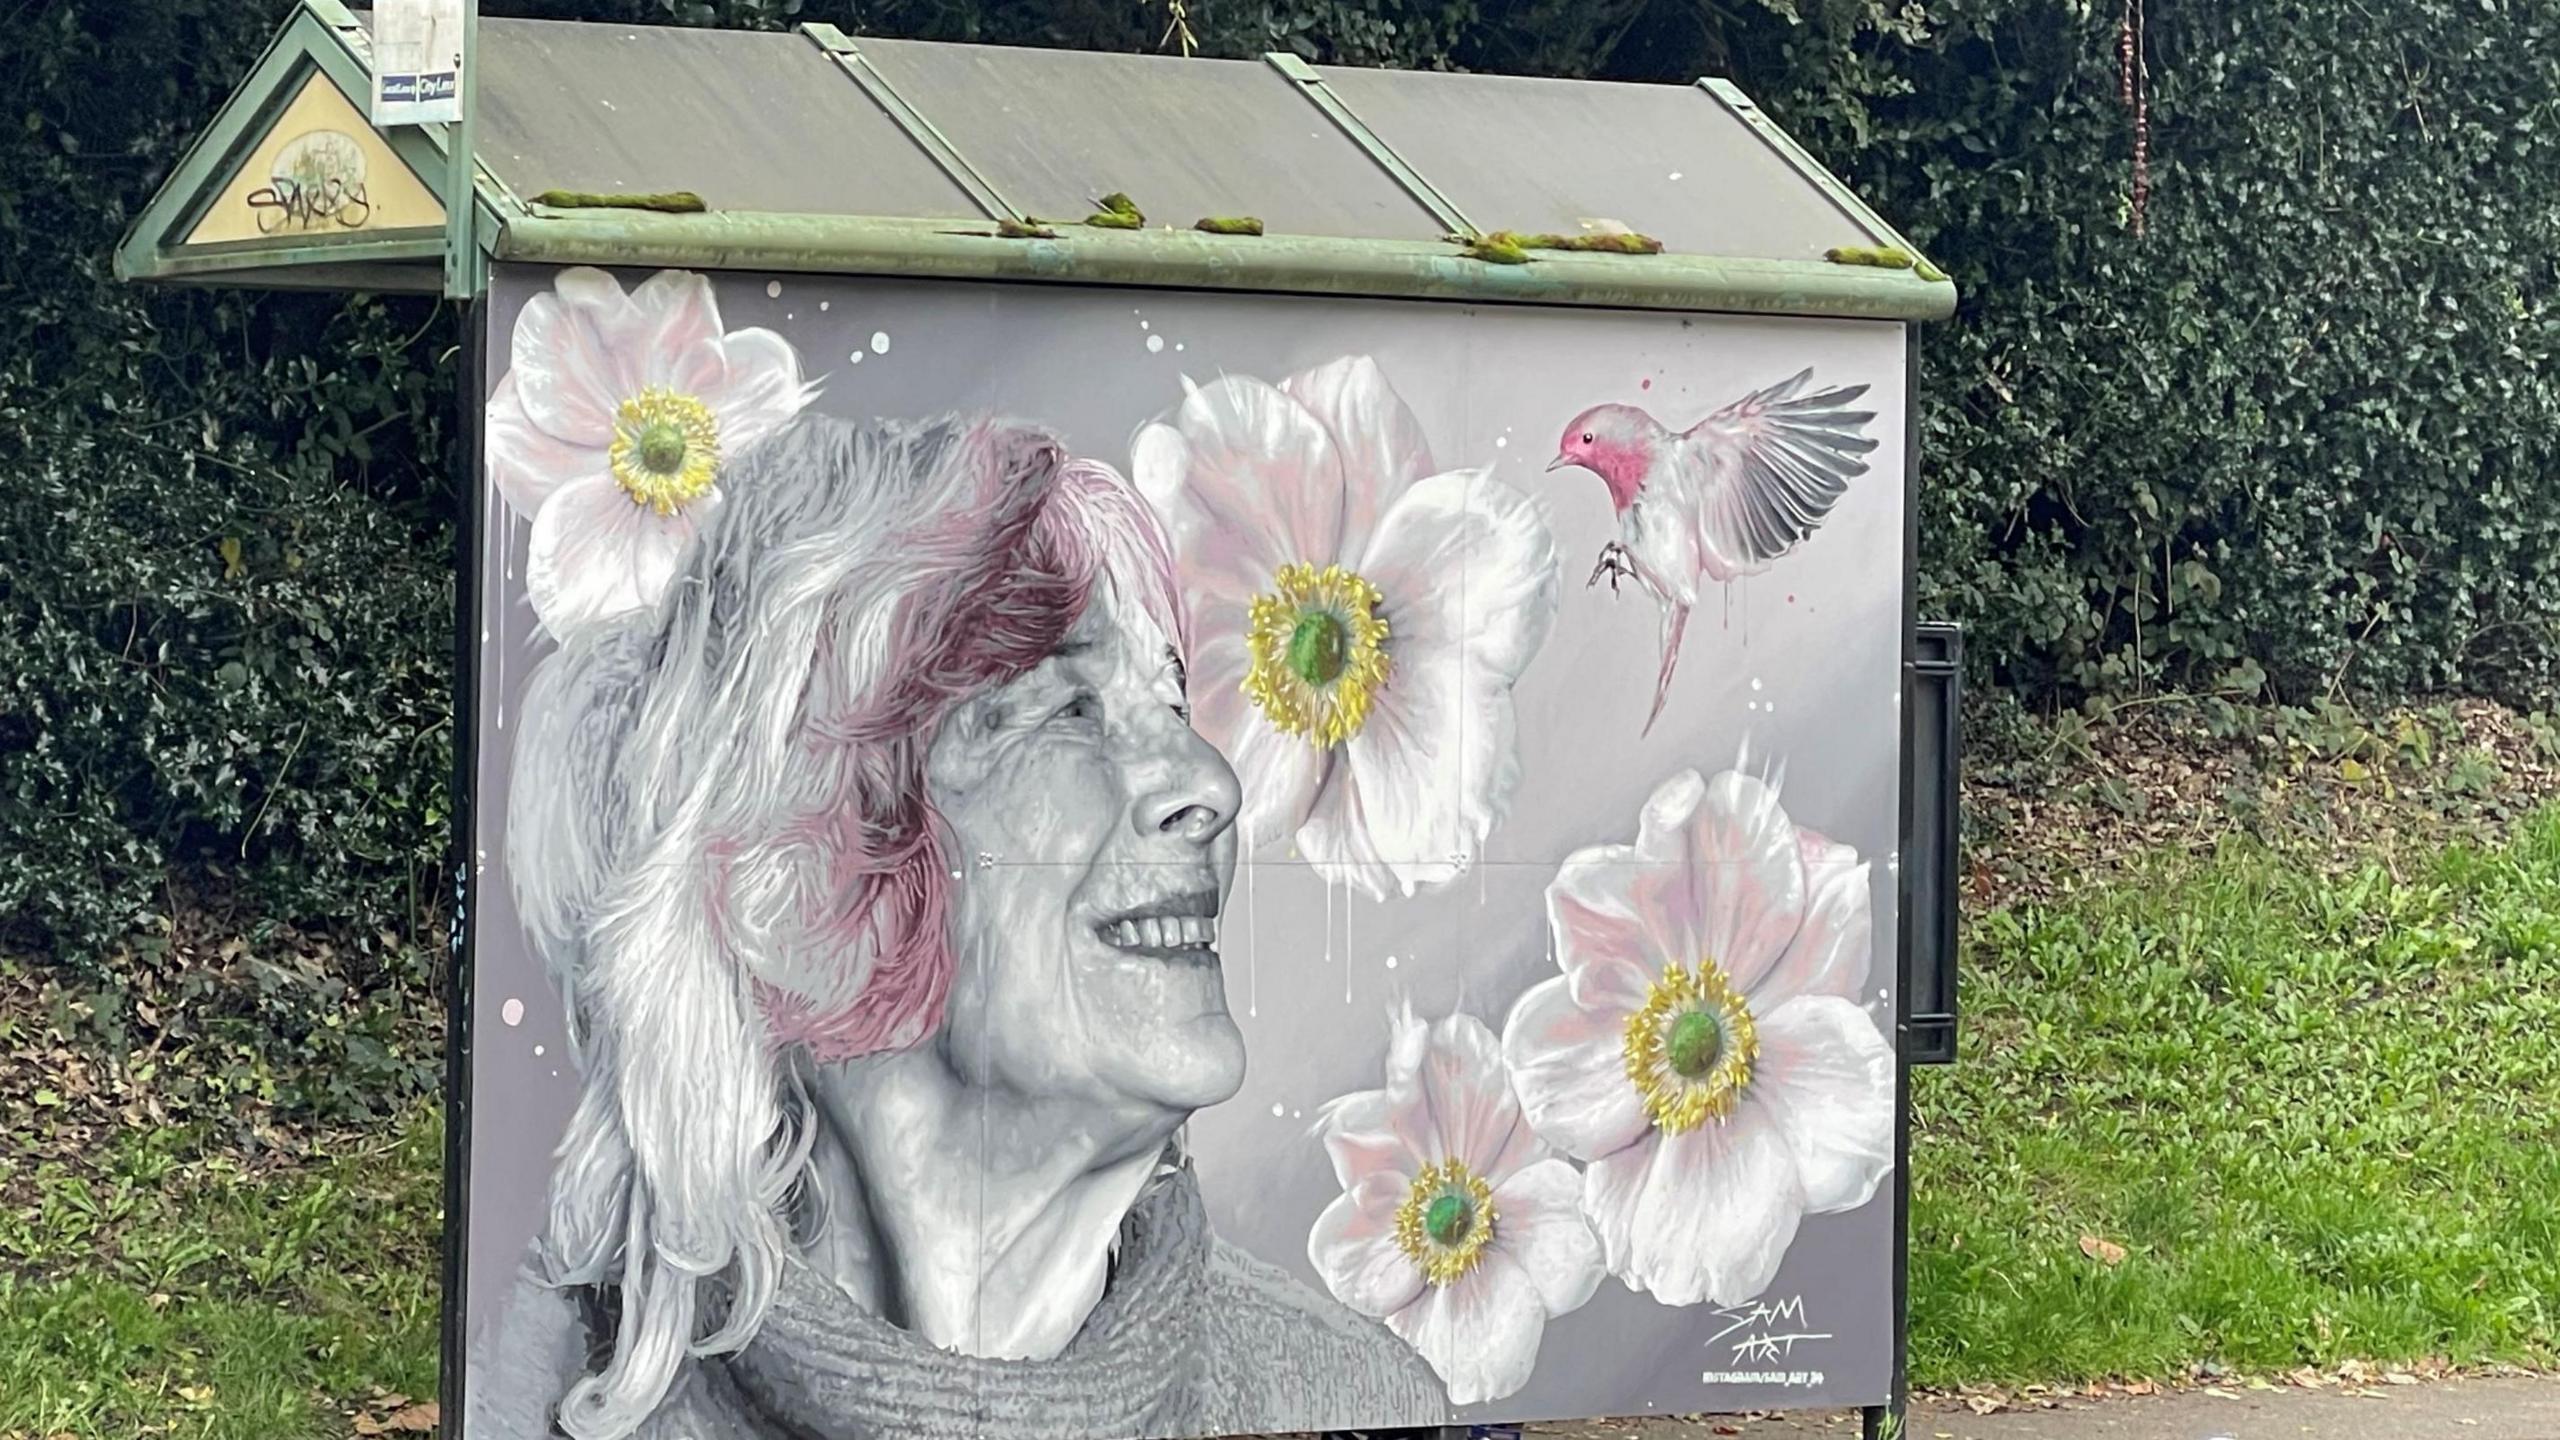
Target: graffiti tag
(317,182)
(1765,1331)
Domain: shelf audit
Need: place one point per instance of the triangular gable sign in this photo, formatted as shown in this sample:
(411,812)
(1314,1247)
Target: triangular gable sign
(291,185)
(319,173)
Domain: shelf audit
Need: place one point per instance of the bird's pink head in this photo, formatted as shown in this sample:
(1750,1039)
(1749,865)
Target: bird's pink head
(1615,442)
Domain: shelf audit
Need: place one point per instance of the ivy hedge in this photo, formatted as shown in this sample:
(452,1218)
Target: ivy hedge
(2283,427)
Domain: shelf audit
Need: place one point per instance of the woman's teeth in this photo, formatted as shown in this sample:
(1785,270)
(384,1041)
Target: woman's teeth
(1168,932)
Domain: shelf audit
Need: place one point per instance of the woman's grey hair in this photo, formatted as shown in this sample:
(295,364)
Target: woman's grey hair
(719,842)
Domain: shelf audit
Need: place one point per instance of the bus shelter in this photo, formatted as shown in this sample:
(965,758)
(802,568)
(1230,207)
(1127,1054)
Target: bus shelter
(951,530)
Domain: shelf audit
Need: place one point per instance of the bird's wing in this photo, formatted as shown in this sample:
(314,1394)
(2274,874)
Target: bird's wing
(1766,469)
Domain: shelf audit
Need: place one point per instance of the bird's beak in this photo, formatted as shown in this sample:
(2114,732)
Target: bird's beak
(1558,463)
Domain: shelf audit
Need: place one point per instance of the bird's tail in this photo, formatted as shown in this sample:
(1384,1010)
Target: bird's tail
(1675,622)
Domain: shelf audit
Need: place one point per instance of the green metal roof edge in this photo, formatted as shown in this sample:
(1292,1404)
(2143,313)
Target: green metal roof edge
(1815,173)
(1188,259)
(325,34)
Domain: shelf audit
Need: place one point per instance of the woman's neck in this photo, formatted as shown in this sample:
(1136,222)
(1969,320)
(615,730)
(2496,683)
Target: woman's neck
(978,1222)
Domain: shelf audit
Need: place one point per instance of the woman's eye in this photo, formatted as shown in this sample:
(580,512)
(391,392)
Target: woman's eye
(1083,707)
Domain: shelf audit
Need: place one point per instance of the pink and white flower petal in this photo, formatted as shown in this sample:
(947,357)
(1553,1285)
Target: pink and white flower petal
(526,462)
(1738,894)
(1468,573)
(1280,773)
(1375,434)
(1246,481)
(1567,1065)
(1468,568)
(1703,1215)
(593,555)
(758,389)
(1337,840)
(1609,957)
(1377,1132)
(1480,1332)
(680,317)
(1353,1247)
(1540,1227)
(577,355)
(1825,1081)
(1474,1118)
(1834,946)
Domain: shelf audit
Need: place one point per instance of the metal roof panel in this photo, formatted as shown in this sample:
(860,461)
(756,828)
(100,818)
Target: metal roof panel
(1055,130)
(1539,155)
(748,120)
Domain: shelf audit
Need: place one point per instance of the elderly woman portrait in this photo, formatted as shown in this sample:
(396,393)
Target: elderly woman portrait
(882,872)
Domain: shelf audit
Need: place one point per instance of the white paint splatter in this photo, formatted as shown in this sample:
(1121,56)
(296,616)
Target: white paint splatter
(1391,962)
(1755,682)
(1179,346)
(826,304)
(537,1052)
(1155,344)
(1675,174)
(512,1012)
(1278,1109)
(879,342)
(773,289)
(856,357)
(789,315)
(1146,325)
(1501,442)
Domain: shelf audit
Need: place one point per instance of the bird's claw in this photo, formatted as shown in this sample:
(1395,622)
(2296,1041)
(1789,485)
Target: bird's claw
(1613,563)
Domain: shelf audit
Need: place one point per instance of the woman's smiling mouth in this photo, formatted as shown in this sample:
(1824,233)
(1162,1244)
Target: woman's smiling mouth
(1182,927)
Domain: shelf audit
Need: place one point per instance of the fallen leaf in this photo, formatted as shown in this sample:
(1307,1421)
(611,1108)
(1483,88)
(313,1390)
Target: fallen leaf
(2399,1377)
(1985,1404)
(2105,1252)
(418,1418)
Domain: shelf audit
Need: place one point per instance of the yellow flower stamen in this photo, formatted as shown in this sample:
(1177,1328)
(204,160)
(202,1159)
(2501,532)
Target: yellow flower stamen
(1690,1046)
(1317,648)
(666,449)
(1446,1220)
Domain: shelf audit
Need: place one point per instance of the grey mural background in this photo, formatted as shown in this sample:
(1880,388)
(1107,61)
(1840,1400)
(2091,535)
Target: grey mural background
(1801,667)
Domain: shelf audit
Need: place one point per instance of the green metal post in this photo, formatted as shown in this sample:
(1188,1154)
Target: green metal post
(461,195)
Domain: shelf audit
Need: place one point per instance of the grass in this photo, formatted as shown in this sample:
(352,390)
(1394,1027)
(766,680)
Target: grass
(2313,1102)
(2315,1110)
(163,1291)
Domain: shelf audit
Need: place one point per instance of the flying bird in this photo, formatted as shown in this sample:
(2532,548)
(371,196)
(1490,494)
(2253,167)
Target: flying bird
(1727,497)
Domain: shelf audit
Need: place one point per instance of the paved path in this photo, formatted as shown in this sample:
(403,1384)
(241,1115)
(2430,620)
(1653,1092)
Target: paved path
(2505,1408)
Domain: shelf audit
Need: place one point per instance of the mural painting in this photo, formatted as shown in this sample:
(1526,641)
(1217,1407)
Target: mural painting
(1082,863)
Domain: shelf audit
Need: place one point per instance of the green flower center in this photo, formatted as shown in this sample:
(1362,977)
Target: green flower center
(662,447)
(1694,1045)
(1318,648)
(1447,1220)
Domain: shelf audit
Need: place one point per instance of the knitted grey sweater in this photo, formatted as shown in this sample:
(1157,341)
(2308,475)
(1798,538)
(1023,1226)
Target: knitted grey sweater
(1191,1337)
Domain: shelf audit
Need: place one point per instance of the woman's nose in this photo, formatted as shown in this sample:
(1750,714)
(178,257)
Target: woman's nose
(1197,796)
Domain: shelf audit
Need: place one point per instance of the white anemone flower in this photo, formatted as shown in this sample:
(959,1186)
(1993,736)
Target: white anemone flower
(1456,1224)
(1361,617)
(611,426)
(1704,1052)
